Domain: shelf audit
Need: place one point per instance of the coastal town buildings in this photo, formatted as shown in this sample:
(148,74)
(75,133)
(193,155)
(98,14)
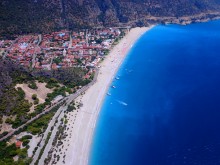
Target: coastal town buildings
(63,49)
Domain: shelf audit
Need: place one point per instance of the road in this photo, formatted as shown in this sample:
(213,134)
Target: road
(71,40)
(37,47)
(53,134)
(51,124)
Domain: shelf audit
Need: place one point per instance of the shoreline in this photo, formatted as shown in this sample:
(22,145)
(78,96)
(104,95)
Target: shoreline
(82,131)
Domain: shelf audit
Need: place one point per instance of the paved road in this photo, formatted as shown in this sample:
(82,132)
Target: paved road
(71,40)
(50,125)
(53,135)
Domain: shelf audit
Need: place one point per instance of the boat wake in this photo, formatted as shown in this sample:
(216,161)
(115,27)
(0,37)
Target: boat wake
(122,103)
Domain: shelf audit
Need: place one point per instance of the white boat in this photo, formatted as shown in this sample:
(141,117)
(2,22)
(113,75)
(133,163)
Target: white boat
(113,86)
(117,78)
(109,94)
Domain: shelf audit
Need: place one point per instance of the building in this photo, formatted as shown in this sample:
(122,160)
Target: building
(64,52)
(18,144)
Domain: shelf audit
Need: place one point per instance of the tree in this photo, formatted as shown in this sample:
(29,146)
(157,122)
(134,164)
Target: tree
(36,101)
(34,97)
(32,85)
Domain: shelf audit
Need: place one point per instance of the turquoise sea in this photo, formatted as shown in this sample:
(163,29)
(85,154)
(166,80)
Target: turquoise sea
(165,109)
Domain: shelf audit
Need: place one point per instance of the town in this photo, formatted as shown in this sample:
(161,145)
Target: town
(43,100)
(61,49)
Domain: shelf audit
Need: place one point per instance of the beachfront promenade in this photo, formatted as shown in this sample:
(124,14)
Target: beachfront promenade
(70,97)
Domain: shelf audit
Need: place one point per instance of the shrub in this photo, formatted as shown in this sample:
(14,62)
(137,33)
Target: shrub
(26,137)
(36,101)
(25,142)
(8,121)
(32,85)
(3,134)
(1,120)
(34,96)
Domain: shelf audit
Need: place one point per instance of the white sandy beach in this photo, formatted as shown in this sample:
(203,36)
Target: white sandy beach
(80,133)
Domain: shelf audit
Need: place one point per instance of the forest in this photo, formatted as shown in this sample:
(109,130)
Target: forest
(43,16)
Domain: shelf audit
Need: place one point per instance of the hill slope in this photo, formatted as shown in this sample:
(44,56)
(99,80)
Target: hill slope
(25,16)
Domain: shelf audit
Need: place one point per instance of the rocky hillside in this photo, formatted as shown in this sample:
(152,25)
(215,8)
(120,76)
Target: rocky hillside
(25,16)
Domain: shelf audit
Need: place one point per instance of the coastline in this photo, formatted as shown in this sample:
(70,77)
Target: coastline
(78,149)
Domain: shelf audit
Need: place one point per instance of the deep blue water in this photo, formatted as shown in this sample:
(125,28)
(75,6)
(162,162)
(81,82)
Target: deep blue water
(166,107)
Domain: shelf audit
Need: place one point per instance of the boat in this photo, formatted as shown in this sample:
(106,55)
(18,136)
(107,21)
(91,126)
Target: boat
(109,94)
(113,86)
(117,78)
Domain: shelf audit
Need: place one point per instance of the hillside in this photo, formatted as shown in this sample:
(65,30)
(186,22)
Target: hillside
(12,100)
(30,16)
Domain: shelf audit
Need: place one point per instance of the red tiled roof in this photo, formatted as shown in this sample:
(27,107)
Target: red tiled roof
(18,144)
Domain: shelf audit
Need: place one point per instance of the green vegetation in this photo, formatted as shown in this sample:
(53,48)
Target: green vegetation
(25,142)
(3,134)
(60,135)
(65,121)
(26,139)
(40,125)
(71,108)
(34,96)
(7,152)
(79,61)
(32,85)
(116,41)
(42,150)
(11,99)
(58,91)
(98,41)
(13,103)
(36,100)
(14,100)
(39,108)
(41,16)
(70,77)
(1,119)
(58,60)
(9,121)
(21,93)
(106,52)
(52,83)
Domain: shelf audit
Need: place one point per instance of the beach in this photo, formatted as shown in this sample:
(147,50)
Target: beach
(165,108)
(81,126)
